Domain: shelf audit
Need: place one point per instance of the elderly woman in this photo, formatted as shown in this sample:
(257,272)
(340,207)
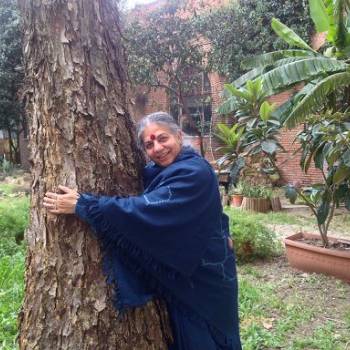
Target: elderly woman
(172,241)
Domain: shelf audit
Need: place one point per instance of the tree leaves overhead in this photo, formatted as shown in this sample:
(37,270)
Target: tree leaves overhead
(239,31)
(163,49)
(11,76)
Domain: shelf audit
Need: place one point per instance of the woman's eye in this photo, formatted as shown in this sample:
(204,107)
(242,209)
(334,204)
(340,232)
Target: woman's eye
(162,139)
(148,145)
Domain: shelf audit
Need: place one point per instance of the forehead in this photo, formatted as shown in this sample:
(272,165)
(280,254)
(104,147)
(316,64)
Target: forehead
(154,129)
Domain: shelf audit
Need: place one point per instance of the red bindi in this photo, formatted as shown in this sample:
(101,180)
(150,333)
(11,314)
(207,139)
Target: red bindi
(152,137)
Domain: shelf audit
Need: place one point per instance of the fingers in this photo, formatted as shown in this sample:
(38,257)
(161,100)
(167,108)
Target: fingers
(65,189)
(51,195)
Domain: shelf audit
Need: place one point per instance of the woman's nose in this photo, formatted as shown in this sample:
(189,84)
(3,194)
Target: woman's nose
(157,146)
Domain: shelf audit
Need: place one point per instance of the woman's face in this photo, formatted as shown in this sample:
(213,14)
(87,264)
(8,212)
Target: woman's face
(161,145)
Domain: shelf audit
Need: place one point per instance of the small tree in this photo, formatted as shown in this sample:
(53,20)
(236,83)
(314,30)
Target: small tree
(326,143)
(256,129)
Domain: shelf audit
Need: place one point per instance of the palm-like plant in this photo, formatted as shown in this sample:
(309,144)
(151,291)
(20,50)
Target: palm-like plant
(323,73)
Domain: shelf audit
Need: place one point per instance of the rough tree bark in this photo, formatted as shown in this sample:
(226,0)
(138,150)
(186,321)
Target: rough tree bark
(81,135)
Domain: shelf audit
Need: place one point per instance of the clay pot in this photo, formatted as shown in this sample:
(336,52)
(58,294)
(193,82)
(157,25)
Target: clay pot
(309,258)
(236,200)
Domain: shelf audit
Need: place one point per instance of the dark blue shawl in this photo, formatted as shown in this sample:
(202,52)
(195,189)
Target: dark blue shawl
(171,240)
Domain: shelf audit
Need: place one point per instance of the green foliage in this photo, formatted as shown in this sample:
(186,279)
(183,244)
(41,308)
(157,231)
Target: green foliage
(258,129)
(13,220)
(11,76)
(252,240)
(325,141)
(325,74)
(164,52)
(237,31)
(11,291)
(6,167)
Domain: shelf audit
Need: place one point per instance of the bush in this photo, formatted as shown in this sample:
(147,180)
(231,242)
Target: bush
(252,240)
(13,221)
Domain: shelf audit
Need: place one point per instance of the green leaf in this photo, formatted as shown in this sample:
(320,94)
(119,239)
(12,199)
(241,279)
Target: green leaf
(252,74)
(316,97)
(303,70)
(288,35)
(341,174)
(270,58)
(265,111)
(291,194)
(234,91)
(319,16)
(269,147)
(322,212)
(346,158)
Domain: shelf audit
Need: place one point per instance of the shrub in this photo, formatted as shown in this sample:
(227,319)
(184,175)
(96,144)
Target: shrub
(252,240)
(13,221)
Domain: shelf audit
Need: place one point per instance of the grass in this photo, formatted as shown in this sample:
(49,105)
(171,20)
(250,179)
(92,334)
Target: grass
(271,218)
(13,220)
(278,313)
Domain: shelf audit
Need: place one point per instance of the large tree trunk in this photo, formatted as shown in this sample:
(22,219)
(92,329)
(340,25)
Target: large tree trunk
(81,135)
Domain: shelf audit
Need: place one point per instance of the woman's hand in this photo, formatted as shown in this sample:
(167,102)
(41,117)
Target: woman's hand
(61,203)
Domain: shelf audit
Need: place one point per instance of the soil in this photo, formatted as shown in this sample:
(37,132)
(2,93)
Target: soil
(332,245)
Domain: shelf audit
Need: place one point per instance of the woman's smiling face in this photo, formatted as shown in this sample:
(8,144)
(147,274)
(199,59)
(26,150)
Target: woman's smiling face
(161,145)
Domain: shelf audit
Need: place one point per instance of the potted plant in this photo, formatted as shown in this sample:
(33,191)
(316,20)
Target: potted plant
(236,194)
(256,198)
(325,141)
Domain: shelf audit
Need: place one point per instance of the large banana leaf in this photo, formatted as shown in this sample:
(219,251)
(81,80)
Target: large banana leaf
(283,111)
(288,35)
(302,70)
(252,74)
(319,15)
(316,97)
(270,58)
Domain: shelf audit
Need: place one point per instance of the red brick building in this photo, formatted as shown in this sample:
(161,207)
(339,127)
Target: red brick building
(158,100)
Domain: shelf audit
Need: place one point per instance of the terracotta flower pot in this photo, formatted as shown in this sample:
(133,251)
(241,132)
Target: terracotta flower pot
(310,258)
(236,200)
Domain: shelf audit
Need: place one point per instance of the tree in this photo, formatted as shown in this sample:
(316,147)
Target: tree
(166,52)
(11,76)
(236,31)
(81,135)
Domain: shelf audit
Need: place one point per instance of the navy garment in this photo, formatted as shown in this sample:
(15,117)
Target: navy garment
(172,241)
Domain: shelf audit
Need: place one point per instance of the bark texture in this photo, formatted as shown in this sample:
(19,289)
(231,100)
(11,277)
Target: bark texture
(81,136)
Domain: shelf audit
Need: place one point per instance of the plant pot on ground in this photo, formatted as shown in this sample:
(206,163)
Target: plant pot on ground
(305,253)
(325,141)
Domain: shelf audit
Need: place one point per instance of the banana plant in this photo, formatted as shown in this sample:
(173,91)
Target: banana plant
(325,74)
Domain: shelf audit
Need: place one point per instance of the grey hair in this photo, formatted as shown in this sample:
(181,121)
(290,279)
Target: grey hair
(159,118)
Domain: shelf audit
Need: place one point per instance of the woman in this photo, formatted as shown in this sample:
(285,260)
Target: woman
(171,242)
